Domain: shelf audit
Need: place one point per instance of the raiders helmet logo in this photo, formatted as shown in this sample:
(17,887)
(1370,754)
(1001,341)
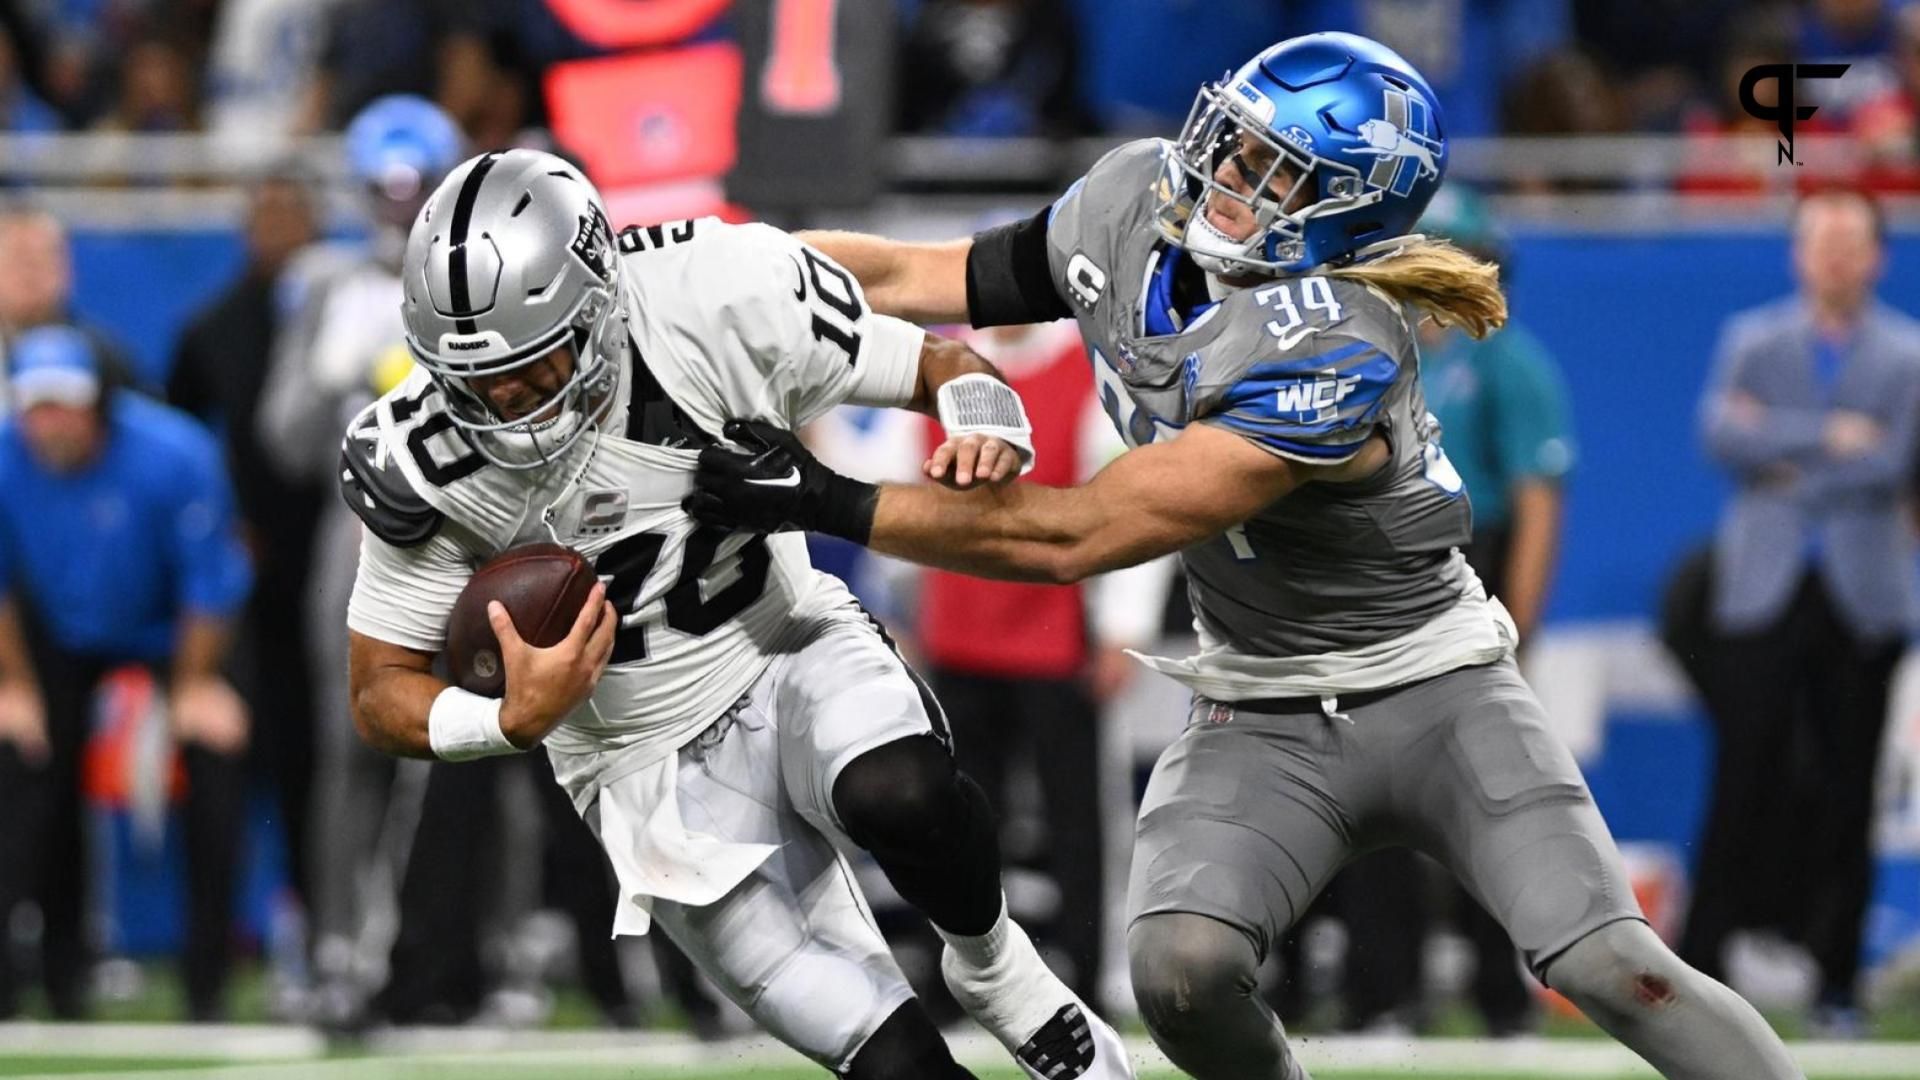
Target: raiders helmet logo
(593,243)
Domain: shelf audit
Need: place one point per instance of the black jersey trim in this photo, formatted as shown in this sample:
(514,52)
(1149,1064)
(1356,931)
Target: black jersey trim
(653,416)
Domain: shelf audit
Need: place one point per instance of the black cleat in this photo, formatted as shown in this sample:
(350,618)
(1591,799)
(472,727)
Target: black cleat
(1063,1047)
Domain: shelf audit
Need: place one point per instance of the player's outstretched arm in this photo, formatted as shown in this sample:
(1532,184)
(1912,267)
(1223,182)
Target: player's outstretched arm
(1148,503)
(923,283)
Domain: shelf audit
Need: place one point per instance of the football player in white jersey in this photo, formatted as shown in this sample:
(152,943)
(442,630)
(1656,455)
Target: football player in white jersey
(722,714)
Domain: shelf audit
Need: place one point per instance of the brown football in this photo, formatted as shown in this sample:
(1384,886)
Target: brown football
(543,587)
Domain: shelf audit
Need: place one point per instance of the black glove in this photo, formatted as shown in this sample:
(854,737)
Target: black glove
(775,485)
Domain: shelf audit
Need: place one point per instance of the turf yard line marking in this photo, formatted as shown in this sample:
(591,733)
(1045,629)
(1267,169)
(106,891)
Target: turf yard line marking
(241,1042)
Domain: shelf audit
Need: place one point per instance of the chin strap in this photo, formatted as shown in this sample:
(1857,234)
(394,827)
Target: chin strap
(1215,262)
(1380,249)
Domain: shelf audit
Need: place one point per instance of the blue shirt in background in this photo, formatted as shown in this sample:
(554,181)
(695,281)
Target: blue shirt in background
(1503,413)
(112,555)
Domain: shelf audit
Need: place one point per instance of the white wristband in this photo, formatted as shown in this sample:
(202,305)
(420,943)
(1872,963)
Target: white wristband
(463,726)
(979,404)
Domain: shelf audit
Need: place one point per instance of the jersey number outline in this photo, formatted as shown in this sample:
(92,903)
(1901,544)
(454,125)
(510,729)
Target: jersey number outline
(628,563)
(843,298)
(1316,294)
(434,471)
(635,239)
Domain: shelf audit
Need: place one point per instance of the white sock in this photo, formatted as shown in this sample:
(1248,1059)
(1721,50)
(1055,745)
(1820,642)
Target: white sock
(1000,980)
(981,950)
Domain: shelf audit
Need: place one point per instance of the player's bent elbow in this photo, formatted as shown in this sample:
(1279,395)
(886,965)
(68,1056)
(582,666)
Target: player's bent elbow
(363,722)
(367,723)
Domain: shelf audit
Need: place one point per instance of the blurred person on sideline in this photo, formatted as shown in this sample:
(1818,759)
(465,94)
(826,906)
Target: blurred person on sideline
(218,374)
(117,546)
(1812,409)
(36,287)
(1502,403)
(339,345)
(1503,412)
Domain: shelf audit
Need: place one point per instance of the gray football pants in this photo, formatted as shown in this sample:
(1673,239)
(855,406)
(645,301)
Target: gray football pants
(1255,807)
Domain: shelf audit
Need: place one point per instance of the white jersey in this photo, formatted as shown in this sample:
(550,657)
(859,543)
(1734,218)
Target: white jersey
(725,322)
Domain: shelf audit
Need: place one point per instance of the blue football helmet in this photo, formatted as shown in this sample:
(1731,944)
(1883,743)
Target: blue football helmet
(1338,139)
(401,145)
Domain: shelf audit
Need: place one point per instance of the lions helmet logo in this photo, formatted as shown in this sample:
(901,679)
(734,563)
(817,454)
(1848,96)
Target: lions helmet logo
(593,243)
(1401,137)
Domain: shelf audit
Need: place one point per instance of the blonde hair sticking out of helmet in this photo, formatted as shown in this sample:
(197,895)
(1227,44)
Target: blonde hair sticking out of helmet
(1449,285)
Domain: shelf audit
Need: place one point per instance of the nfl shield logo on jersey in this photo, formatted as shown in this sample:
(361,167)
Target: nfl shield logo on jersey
(1219,712)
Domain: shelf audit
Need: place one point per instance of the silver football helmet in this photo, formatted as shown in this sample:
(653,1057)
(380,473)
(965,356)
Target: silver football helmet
(511,259)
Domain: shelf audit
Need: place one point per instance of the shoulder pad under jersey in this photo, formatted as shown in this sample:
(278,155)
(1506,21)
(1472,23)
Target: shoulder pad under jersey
(377,490)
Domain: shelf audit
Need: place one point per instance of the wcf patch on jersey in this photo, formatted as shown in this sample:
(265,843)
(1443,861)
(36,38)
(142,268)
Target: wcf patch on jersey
(1314,399)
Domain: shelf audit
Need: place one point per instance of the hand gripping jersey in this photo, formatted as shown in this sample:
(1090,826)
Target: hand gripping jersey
(725,321)
(1327,588)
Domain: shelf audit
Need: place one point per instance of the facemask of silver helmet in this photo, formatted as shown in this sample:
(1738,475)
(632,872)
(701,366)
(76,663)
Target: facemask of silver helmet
(511,267)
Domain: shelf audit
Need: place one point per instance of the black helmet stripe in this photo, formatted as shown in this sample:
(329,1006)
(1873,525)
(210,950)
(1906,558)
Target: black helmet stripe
(457,243)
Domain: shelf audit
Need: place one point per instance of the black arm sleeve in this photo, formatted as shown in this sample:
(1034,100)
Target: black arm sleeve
(1009,280)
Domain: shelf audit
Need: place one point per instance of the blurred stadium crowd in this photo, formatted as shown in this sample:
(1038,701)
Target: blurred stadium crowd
(410,893)
(266,68)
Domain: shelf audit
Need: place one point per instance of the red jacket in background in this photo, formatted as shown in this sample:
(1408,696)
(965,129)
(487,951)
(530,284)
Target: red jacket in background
(1015,629)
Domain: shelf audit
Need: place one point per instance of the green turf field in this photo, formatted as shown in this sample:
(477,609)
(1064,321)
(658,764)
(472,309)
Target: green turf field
(80,1067)
(137,1035)
(75,1067)
(75,1054)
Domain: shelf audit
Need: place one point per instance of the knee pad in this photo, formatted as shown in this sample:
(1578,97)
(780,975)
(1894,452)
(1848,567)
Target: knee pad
(906,793)
(906,1047)
(1186,967)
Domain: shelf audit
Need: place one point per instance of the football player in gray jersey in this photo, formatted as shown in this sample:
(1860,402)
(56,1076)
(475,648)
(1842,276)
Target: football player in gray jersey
(1249,294)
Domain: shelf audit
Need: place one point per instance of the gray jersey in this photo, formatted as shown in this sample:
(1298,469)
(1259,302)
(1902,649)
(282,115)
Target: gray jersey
(1306,367)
